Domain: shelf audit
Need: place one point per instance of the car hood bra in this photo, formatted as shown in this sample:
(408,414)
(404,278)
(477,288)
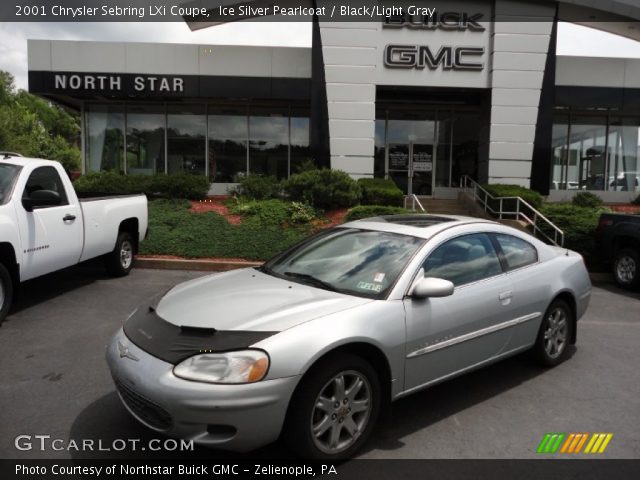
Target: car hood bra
(228,311)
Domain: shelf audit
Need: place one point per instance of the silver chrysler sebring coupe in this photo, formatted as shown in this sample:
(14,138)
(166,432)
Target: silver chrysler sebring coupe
(319,340)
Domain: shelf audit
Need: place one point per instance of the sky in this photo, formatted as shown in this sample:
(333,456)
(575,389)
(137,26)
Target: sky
(572,39)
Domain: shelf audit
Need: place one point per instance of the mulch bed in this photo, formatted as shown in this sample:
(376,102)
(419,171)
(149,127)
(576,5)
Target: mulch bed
(625,208)
(215,204)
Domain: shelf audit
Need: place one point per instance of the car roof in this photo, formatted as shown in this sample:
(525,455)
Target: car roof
(418,224)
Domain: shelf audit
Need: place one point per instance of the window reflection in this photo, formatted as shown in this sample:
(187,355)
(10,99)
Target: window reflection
(104,138)
(595,153)
(228,133)
(269,143)
(186,133)
(145,140)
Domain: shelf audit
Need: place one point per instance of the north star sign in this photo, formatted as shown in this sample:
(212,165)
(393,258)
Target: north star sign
(448,57)
(114,83)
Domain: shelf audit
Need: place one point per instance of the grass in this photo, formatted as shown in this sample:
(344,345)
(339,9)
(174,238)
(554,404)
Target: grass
(174,230)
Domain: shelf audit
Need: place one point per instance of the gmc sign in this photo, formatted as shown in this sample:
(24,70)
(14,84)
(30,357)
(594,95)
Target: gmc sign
(421,56)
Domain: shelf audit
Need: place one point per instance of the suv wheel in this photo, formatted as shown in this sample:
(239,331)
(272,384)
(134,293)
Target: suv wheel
(626,264)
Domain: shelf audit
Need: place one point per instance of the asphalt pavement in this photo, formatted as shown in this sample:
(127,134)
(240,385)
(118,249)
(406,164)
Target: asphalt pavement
(55,382)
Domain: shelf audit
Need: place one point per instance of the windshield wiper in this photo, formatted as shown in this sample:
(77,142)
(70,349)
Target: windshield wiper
(311,279)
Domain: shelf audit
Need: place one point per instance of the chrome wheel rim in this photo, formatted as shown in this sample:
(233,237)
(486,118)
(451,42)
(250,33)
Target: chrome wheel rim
(626,269)
(341,412)
(126,254)
(555,335)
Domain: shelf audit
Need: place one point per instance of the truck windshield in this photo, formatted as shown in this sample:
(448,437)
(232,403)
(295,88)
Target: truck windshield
(8,176)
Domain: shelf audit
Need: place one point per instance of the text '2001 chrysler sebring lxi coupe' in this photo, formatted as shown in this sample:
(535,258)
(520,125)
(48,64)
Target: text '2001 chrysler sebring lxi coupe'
(320,339)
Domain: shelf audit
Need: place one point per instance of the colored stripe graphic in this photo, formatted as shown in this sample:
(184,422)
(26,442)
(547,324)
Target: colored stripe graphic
(551,442)
(572,443)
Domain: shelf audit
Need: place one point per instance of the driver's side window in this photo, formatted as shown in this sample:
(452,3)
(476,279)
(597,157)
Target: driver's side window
(45,178)
(463,260)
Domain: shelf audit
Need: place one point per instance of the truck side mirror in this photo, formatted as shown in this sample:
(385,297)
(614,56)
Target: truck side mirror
(41,198)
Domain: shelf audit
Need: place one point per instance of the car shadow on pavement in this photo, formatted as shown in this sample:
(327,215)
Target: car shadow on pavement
(613,288)
(42,289)
(106,419)
(432,405)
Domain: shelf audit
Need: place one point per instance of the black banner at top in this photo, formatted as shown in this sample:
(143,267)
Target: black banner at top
(203,13)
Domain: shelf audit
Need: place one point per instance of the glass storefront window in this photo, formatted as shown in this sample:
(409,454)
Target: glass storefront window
(299,137)
(443,155)
(145,139)
(104,126)
(595,152)
(379,154)
(228,134)
(186,134)
(465,146)
(269,143)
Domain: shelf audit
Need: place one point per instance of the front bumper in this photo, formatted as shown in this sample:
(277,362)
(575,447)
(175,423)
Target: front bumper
(233,417)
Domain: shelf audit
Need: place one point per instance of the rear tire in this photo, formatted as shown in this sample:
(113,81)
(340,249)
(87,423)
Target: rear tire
(334,409)
(554,335)
(120,261)
(6,292)
(626,268)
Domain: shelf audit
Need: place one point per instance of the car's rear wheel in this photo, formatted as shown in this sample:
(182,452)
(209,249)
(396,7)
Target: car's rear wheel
(555,334)
(120,261)
(626,268)
(334,410)
(6,292)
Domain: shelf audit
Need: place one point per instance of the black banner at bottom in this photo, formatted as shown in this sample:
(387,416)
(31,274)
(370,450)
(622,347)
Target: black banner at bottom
(547,469)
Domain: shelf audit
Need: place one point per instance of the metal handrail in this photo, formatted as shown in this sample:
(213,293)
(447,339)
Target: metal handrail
(414,201)
(482,196)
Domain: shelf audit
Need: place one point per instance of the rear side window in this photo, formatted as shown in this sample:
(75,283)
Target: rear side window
(516,252)
(46,178)
(462,260)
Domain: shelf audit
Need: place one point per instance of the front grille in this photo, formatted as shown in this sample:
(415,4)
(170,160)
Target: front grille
(144,408)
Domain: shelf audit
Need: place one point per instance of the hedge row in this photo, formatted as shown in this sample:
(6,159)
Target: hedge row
(182,185)
(326,189)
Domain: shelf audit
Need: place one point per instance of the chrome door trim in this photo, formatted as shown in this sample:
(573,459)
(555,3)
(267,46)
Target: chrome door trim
(471,335)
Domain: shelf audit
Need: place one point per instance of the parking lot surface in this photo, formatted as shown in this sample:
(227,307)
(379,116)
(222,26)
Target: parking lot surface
(55,381)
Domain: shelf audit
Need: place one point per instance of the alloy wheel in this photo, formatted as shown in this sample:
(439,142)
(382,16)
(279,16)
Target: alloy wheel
(126,254)
(341,412)
(555,335)
(626,269)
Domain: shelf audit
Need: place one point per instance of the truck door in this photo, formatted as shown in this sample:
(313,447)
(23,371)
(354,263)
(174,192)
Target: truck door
(51,235)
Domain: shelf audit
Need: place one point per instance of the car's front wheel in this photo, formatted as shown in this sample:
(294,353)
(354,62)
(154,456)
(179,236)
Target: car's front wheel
(555,334)
(334,409)
(626,268)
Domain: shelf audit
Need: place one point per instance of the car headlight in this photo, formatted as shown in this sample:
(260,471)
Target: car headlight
(244,366)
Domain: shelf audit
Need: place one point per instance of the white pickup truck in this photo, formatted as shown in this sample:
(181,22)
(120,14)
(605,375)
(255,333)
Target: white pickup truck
(44,227)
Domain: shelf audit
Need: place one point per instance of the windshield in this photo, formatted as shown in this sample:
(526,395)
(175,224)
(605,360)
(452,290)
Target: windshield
(348,260)
(8,175)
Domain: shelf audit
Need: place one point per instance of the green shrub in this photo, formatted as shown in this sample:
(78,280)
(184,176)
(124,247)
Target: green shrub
(182,185)
(380,191)
(258,187)
(366,211)
(326,189)
(577,223)
(587,200)
(532,197)
(274,212)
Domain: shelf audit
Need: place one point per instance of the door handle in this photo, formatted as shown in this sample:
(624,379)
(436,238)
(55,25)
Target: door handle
(505,295)
(68,218)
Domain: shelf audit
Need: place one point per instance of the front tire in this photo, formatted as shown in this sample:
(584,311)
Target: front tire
(554,335)
(120,261)
(6,292)
(334,409)
(626,268)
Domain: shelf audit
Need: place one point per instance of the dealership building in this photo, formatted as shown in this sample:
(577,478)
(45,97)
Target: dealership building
(475,89)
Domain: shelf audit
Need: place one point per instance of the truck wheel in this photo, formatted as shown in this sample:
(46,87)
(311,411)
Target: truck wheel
(626,266)
(120,261)
(6,292)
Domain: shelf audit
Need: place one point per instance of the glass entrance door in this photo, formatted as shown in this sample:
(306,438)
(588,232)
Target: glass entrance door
(411,150)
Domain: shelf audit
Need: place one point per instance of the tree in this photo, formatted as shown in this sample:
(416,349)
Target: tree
(35,127)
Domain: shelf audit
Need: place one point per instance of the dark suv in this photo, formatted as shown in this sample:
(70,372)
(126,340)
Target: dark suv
(618,241)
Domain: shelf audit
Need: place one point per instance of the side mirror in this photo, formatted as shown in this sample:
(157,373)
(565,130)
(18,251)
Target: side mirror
(432,287)
(41,198)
